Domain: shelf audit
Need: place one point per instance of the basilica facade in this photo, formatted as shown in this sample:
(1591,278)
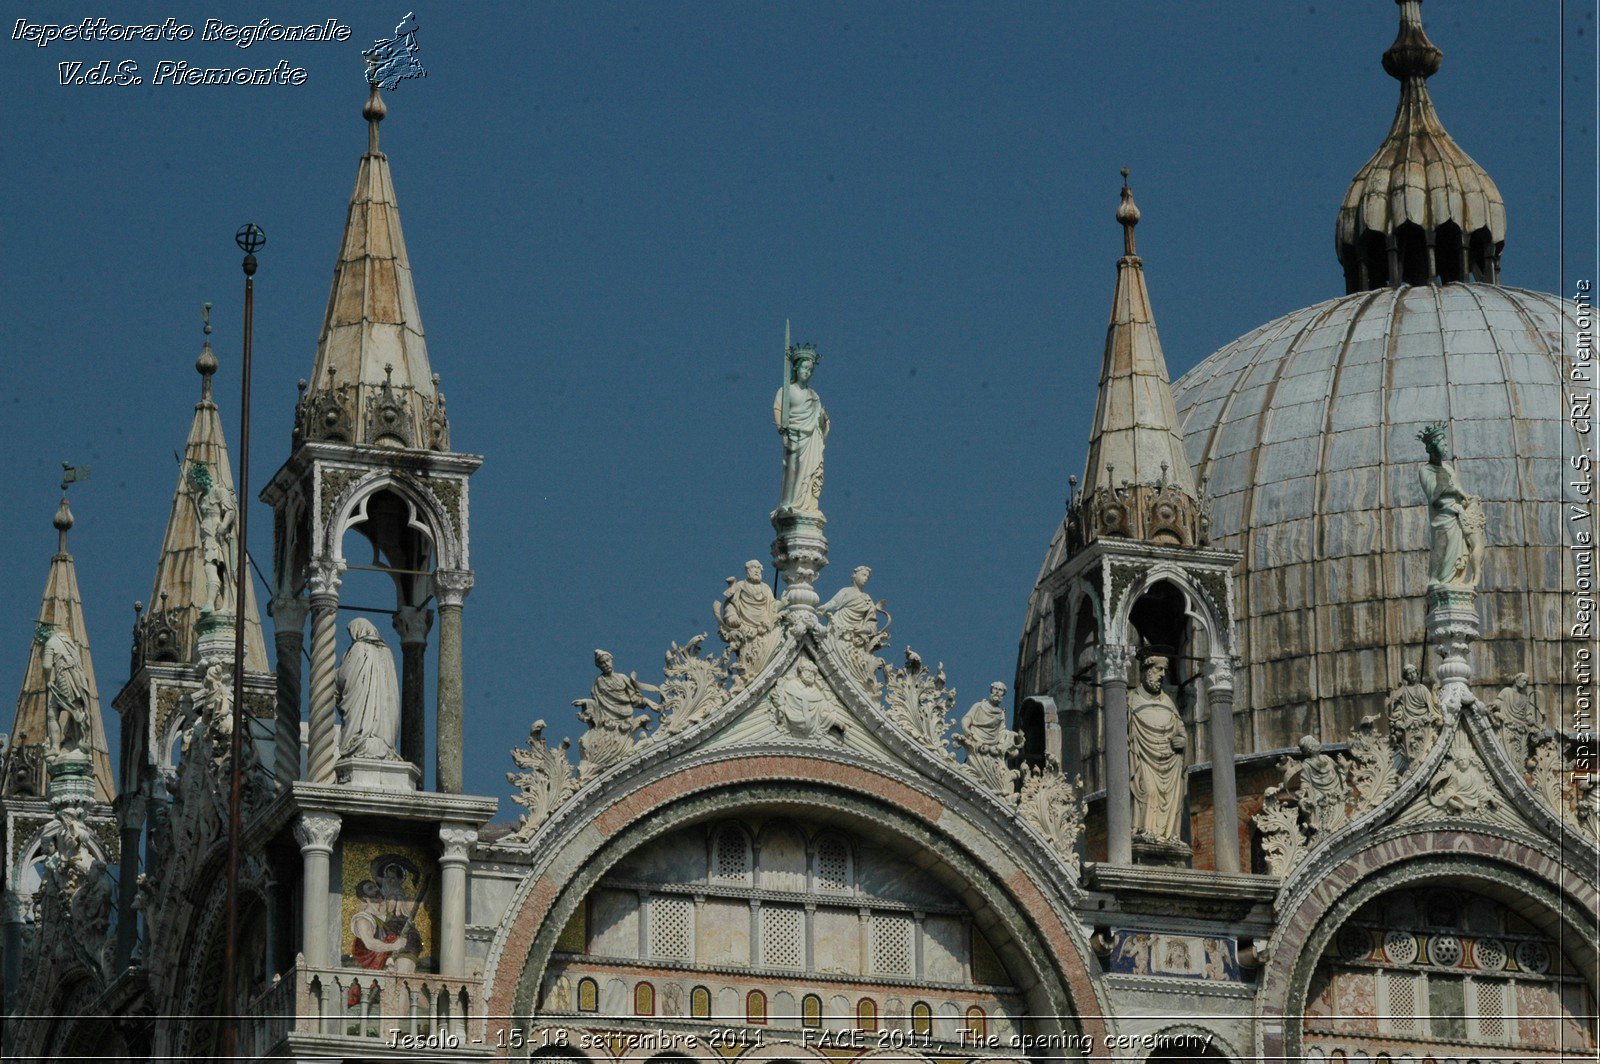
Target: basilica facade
(1297,762)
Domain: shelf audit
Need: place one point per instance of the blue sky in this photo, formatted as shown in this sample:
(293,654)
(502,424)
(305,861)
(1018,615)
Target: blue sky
(611,208)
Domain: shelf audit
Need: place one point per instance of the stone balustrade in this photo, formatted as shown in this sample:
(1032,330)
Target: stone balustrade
(416,1009)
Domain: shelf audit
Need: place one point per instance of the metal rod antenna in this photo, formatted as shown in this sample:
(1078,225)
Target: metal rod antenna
(250,239)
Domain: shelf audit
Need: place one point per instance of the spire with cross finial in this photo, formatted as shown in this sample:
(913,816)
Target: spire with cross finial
(1420,211)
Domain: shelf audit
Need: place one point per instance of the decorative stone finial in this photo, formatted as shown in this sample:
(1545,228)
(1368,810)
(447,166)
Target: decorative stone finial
(1127,215)
(1412,55)
(373,111)
(206,364)
(63,518)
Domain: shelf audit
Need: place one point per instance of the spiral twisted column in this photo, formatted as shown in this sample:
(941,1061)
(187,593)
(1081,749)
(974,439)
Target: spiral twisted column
(324,588)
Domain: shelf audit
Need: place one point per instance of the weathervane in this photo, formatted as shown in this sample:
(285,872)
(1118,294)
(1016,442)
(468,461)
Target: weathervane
(391,60)
(71,474)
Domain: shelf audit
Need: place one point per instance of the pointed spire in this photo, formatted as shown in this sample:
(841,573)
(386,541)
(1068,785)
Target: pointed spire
(372,321)
(1137,482)
(60,612)
(1420,211)
(167,631)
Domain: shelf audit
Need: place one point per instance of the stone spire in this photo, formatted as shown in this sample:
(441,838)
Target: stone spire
(372,383)
(167,631)
(60,613)
(1137,482)
(1420,211)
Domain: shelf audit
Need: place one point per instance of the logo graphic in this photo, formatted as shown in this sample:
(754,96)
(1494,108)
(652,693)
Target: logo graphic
(391,61)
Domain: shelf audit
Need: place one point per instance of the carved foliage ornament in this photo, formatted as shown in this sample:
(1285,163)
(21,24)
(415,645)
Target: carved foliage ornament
(1053,806)
(546,780)
(920,702)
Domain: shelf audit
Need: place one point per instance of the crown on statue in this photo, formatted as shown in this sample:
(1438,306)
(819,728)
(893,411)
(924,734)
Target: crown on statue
(802,352)
(1432,435)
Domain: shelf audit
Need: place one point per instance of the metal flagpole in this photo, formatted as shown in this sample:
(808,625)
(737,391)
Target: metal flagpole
(250,239)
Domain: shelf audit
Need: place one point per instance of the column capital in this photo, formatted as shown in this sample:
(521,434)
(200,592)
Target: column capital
(322,580)
(413,623)
(1112,661)
(452,586)
(457,840)
(288,613)
(1220,672)
(315,832)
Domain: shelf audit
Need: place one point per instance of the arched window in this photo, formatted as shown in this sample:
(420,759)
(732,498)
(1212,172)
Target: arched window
(834,869)
(755,1008)
(921,1018)
(730,856)
(644,1000)
(866,1015)
(977,1022)
(700,1003)
(588,995)
(811,1011)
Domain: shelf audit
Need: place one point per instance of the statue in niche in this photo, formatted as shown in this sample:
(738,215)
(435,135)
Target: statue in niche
(802,706)
(1516,717)
(217,516)
(369,695)
(747,620)
(66,695)
(803,423)
(1414,716)
(1456,516)
(853,617)
(609,713)
(990,745)
(1156,742)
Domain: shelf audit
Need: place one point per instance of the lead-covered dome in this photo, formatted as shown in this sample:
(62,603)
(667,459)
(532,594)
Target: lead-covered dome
(1304,433)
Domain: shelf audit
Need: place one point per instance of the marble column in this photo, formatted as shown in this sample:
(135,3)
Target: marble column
(413,623)
(1113,665)
(324,584)
(451,588)
(288,633)
(457,840)
(315,833)
(1224,785)
(13,915)
(130,820)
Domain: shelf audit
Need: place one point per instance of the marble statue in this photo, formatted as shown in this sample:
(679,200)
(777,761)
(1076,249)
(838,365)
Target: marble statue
(802,706)
(91,911)
(1515,714)
(1156,742)
(369,695)
(215,705)
(803,423)
(66,692)
(608,711)
(853,625)
(1414,716)
(1320,789)
(1460,786)
(747,620)
(1455,515)
(217,515)
(990,745)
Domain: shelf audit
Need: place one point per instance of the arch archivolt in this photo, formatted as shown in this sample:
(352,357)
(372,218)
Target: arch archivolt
(1017,904)
(1202,611)
(426,516)
(1488,861)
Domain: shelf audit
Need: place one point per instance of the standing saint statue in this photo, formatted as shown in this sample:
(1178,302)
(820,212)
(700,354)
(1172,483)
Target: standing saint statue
(1414,716)
(369,695)
(853,616)
(1456,516)
(217,516)
(990,745)
(747,620)
(1515,714)
(1156,741)
(803,423)
(66,695)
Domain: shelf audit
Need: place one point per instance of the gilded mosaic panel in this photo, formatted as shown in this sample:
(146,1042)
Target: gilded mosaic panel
(388,916)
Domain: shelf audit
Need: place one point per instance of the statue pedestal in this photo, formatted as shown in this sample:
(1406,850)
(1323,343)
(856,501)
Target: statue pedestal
(1166,853)
(71,779)
(800,552)
(214,638)
(1452,627)
(378,774)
